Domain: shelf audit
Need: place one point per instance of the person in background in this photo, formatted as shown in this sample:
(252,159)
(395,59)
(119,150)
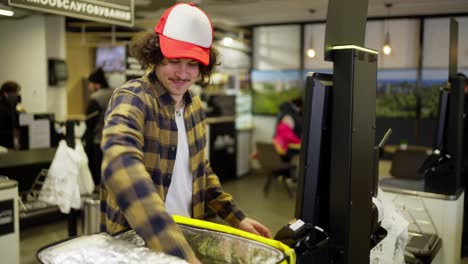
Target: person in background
(95,111)
(287,136)
(9,98)
(154,139)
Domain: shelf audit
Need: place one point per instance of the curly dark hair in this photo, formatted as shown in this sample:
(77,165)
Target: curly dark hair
(147,51)
(10,87)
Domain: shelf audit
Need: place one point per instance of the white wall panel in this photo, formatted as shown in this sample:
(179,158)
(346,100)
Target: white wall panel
(55,44)
(277,47)
(404,40)
(314,36)
(234,57)
(26,45)
(436,42)
(404,34)
(462,42)
(23,56)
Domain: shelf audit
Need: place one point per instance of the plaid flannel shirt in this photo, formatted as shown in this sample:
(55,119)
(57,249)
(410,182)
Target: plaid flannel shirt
(139,146)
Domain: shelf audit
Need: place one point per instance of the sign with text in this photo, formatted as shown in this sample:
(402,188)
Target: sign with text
(119,12)
(7,217)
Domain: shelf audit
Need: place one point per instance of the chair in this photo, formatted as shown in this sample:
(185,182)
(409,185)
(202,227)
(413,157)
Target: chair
(405,163)
(272,163)
(404,170)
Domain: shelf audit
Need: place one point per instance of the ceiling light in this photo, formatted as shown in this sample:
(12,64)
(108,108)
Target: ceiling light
(387,48)
(310,47)
(227,41)
(5,12)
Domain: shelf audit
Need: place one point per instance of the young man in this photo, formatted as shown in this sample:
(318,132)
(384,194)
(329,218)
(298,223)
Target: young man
(95,110)
(155,136)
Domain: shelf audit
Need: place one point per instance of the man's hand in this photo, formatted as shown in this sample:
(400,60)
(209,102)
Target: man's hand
(254,227)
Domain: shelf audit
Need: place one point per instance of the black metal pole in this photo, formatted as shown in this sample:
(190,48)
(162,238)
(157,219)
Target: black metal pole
(73,215)
(418,109)
(352,154)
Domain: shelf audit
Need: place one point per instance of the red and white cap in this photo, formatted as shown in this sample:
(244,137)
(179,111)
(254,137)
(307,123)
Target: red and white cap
(185,31)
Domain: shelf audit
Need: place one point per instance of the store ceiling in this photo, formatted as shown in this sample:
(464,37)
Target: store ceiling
(229,16)
(254,12)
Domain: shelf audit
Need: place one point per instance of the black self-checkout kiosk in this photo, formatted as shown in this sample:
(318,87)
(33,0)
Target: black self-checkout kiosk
(443,169)
(441,185)
(335,217)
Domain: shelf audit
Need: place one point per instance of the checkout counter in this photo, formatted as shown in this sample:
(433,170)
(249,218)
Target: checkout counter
(25,166)
(9,226)
(229,134)
(222,146)
(445,214)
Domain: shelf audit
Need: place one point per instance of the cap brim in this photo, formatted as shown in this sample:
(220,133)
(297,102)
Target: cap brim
(172,48)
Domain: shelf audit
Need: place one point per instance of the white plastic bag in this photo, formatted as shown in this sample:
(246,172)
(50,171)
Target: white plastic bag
(60,186)
(85,180)
(67,178)
(391,249)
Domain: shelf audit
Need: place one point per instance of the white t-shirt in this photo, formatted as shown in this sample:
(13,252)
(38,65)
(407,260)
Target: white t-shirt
(179,196)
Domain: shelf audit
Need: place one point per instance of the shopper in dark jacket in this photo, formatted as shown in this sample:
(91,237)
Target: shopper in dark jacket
(9,94)
(95,111)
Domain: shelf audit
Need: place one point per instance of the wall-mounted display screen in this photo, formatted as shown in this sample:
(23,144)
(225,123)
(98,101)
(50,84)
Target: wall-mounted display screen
(111,59)
(57,69)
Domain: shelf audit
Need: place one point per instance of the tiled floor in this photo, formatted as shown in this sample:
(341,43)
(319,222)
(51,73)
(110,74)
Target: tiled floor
(274,211)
